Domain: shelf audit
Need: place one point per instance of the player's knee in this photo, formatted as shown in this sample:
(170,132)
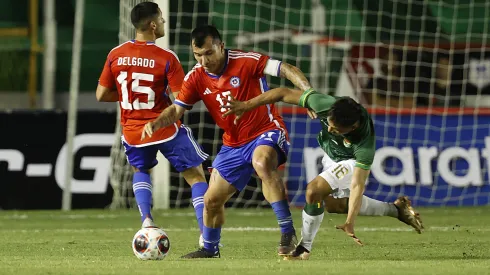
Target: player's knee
(261,167)
(264,165)
(311,197)
(212,202)
(316,190)
(312,192)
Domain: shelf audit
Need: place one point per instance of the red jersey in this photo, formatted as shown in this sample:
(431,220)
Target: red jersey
(142,72)
(243,78)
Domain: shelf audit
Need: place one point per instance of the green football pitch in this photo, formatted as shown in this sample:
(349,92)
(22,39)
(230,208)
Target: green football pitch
(456,241)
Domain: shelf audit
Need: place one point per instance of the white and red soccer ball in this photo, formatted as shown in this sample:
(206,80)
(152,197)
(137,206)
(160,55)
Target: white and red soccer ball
(151,243)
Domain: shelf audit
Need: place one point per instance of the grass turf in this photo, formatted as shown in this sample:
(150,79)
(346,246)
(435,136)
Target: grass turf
(456,241)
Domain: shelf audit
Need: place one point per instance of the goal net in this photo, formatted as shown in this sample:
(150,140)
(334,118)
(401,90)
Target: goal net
(121,176)
(421,68)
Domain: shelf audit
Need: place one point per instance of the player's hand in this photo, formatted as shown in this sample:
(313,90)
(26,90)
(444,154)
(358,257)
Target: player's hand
(148,130)
(348,228)
(311,114)
(235,107)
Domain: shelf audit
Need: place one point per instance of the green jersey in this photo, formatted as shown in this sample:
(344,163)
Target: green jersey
(358,144)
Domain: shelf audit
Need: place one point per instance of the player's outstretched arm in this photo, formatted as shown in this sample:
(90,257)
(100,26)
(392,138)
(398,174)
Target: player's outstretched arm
(272,96)
(283,94)
(355,200)
(105,94)
(298,78)
(167,117)
(295,75)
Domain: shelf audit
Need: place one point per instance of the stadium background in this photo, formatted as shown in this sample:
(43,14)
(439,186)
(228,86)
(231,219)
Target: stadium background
(101,26)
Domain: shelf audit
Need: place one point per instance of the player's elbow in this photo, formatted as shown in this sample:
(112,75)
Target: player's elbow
(99,96)
(100,93)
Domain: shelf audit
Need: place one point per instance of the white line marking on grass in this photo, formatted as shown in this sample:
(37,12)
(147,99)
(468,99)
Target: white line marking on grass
(368,229)
(94,216)
(241,229)
(16,217)
(252,214)
(118,215)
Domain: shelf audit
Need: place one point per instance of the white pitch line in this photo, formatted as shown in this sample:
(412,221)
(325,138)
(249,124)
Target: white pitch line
(118,215)
(243,229)
(88,216)
(11,215)
(15,217)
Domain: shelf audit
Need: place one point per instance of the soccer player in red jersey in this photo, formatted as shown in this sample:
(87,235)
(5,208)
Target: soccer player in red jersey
(257,142)
(138,74)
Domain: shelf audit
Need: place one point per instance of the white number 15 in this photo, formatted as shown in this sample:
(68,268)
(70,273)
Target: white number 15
(136,88)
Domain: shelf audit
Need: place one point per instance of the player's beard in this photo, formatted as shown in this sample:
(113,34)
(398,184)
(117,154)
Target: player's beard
(160,32)
(215,68)
(211,69)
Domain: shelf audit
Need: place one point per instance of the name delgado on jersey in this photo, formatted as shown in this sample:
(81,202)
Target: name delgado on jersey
(135,61)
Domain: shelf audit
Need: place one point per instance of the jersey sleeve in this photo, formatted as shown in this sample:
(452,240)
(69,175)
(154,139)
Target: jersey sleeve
(259,65)
(273,67)
(188,95)
(106,78)
(175,73)
(364,152)
(316,101)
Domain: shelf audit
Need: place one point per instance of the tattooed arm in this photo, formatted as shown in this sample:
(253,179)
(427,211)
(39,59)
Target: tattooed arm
(295,75)
(292,73)
(298,78)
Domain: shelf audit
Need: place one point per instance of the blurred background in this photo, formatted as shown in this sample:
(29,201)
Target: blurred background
(422,68)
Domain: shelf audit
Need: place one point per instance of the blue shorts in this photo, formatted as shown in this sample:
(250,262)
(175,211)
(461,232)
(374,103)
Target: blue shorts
(183,152)
(234,164)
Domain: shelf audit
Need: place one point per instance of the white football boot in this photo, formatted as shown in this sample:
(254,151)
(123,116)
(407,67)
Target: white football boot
(148,223)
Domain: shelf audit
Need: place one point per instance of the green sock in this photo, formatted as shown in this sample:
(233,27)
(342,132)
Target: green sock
(314,209)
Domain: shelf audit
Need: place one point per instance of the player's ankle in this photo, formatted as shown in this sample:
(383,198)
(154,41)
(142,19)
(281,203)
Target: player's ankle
(213,249)
(289,230)
(306,247)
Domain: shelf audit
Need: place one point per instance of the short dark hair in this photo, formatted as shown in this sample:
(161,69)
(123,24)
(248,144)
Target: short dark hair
(345,112)
(142,13)
(200,34)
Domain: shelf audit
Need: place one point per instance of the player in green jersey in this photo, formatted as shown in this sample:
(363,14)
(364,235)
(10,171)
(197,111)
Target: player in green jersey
(348,139)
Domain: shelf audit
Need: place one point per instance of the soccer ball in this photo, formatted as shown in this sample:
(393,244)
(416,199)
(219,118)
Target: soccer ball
(151,243)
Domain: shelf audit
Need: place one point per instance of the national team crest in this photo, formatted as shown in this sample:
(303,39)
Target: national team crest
(235,81)
(347,143)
